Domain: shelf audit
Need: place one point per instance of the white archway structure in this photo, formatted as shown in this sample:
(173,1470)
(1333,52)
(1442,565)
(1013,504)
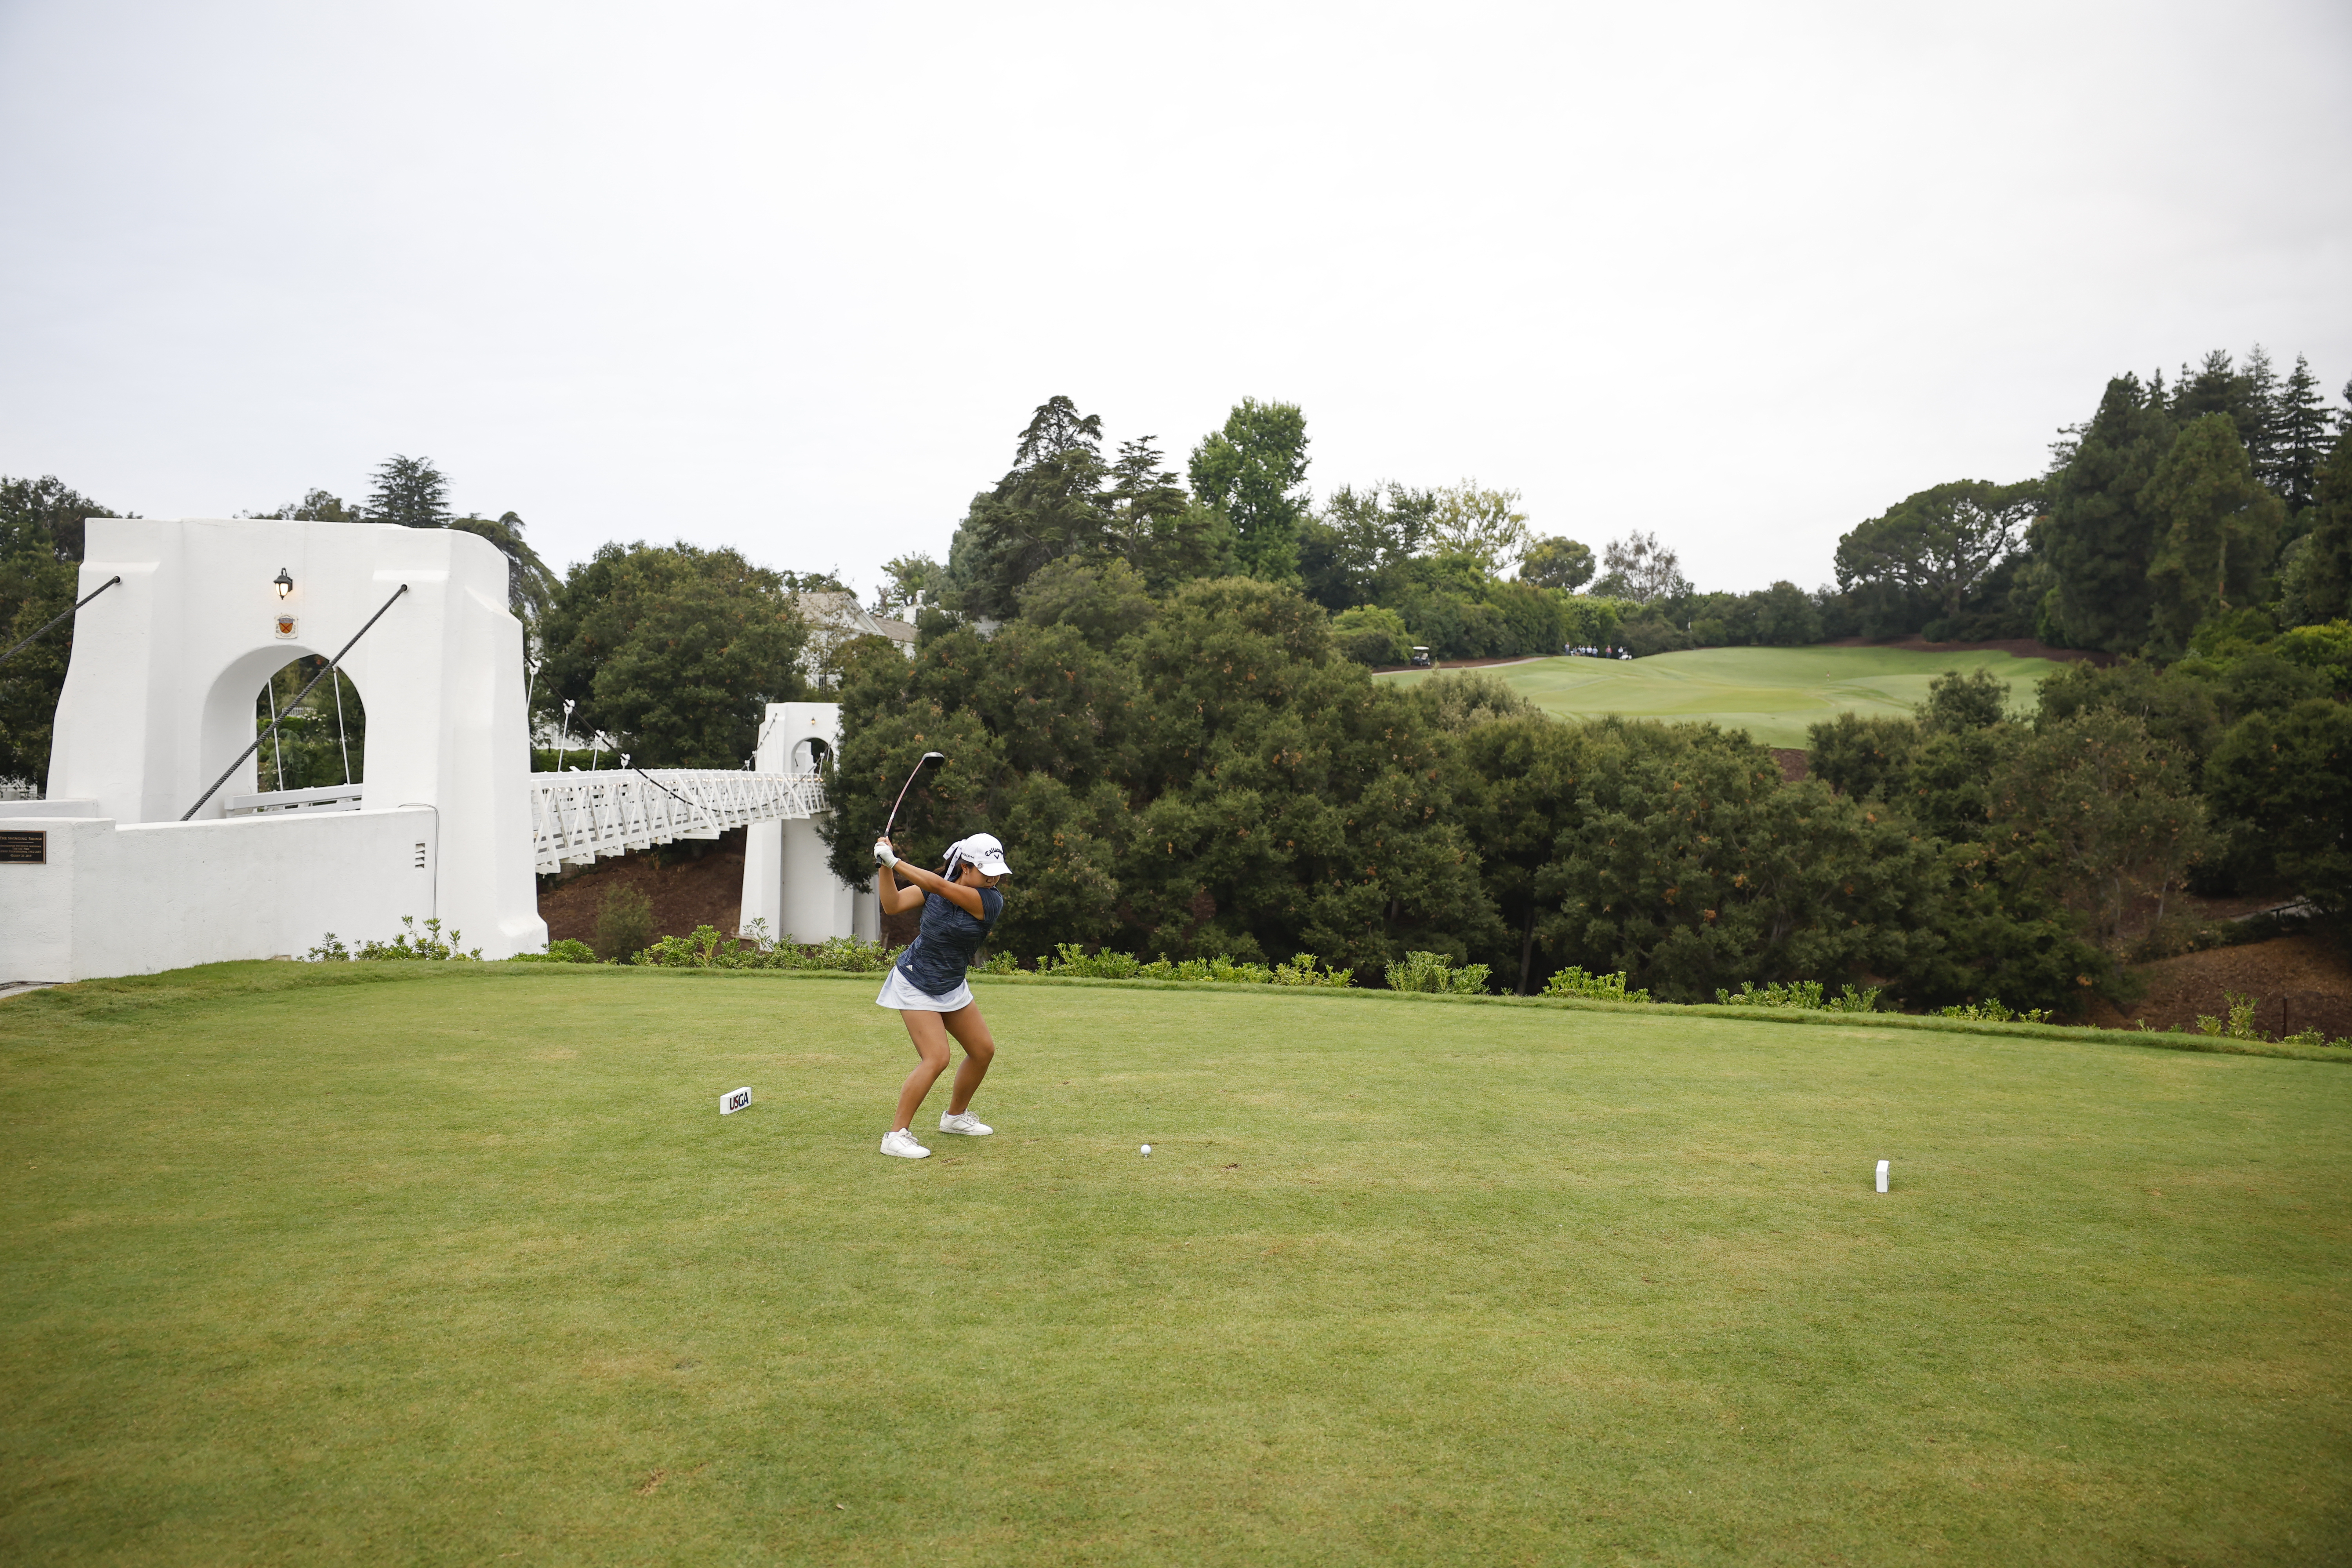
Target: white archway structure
(787,884)
(104,878)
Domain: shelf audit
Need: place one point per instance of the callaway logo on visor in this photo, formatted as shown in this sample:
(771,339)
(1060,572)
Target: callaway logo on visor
(983,850)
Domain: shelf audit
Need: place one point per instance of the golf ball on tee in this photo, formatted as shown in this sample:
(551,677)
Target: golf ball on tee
(1147,1150)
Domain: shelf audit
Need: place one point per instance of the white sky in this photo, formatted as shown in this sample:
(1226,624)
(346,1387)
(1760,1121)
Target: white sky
(792,277)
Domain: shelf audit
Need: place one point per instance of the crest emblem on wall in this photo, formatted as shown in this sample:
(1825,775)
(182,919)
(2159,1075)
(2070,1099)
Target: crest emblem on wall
(285,625)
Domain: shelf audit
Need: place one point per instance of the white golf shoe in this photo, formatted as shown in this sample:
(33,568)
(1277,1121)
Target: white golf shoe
(902,1144)
(968,1124)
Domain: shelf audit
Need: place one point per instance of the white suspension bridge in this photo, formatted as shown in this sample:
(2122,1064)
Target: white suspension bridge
(576,818)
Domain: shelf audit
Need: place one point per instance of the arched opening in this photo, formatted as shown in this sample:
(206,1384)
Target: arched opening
(809,757)
(321,740)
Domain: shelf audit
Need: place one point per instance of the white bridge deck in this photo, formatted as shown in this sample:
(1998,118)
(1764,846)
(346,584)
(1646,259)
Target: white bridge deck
(576,818)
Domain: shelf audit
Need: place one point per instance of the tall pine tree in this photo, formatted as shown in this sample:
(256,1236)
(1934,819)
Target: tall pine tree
(2257,427)
(1049,505)
(2300,443)
(2318,586)
(411,492)
(2221,530)
(2098,537)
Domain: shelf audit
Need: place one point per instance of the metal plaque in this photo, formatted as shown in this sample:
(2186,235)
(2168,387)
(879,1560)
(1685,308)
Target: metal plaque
(18,849)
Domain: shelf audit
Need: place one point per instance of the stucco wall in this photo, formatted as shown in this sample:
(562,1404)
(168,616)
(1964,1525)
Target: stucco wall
(143,898)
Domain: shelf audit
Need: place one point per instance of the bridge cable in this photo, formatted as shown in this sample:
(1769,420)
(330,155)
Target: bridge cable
(85,599)
(272,732)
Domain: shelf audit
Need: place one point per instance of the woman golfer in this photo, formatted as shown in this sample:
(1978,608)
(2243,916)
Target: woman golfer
(926,986)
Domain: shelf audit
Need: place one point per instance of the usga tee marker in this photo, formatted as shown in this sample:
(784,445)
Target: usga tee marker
(1882,1176)
(733,1101)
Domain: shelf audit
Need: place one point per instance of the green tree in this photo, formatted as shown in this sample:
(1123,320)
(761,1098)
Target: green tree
(2002,928)
(1922,559)
(2299,438)
(2174,705)
(912,579)
(2218,386)
(410,491)
(40,540)
(1690,865)
(1371,634)
(2220,529)
(44,514)
(1553,561)
(1103,597)
(1487,526)
(316,505)
(2317,586)
(1161,530)
(1050,504)
(1957,702)
(531,587)
(1866,758)
(1352,549)
(2285,780)
(1638,568)
(413,492)
(1592,620)
(674,649)
(2098,536)
(1782,615)
(1459,699)
(1522,776)
(2109,814)
(1254,471)
(2258,422)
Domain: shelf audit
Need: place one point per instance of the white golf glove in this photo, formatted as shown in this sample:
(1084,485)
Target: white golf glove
(883,854)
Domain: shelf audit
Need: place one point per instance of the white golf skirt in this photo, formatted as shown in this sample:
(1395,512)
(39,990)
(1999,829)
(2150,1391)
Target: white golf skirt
(898,994)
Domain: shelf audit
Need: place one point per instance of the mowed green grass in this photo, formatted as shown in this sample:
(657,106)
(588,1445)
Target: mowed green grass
(1773,693)
(358,1265)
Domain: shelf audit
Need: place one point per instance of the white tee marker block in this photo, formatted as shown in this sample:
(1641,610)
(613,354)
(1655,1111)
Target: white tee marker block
(1882,1176)
(735,1099)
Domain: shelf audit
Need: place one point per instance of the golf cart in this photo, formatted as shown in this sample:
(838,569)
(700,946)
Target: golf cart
(1420,657)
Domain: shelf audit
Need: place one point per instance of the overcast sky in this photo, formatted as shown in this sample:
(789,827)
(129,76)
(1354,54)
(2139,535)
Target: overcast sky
(791,277)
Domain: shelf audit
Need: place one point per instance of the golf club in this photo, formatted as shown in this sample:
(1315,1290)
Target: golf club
(929,758)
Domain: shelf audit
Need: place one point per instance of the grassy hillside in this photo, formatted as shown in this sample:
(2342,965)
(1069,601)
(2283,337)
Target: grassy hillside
(356,1264)
(1773,693)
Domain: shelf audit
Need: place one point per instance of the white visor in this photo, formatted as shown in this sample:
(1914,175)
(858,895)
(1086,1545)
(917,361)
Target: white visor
(983,850)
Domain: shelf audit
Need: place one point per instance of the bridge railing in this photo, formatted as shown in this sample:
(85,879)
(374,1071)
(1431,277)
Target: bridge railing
(576,818)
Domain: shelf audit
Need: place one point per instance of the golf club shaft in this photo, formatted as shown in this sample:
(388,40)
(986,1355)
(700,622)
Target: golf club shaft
(903,788)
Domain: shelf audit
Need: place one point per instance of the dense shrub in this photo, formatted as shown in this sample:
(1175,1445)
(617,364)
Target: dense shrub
(1689,863)
(564,950)
(1069,959)
(1803,994)
(624,923)
(1434,972)
(705,947)
(409,945)
(1371,634)
(1574,982)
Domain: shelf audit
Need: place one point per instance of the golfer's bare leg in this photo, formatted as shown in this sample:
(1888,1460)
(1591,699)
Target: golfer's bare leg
(931,1045)
(971,1031)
